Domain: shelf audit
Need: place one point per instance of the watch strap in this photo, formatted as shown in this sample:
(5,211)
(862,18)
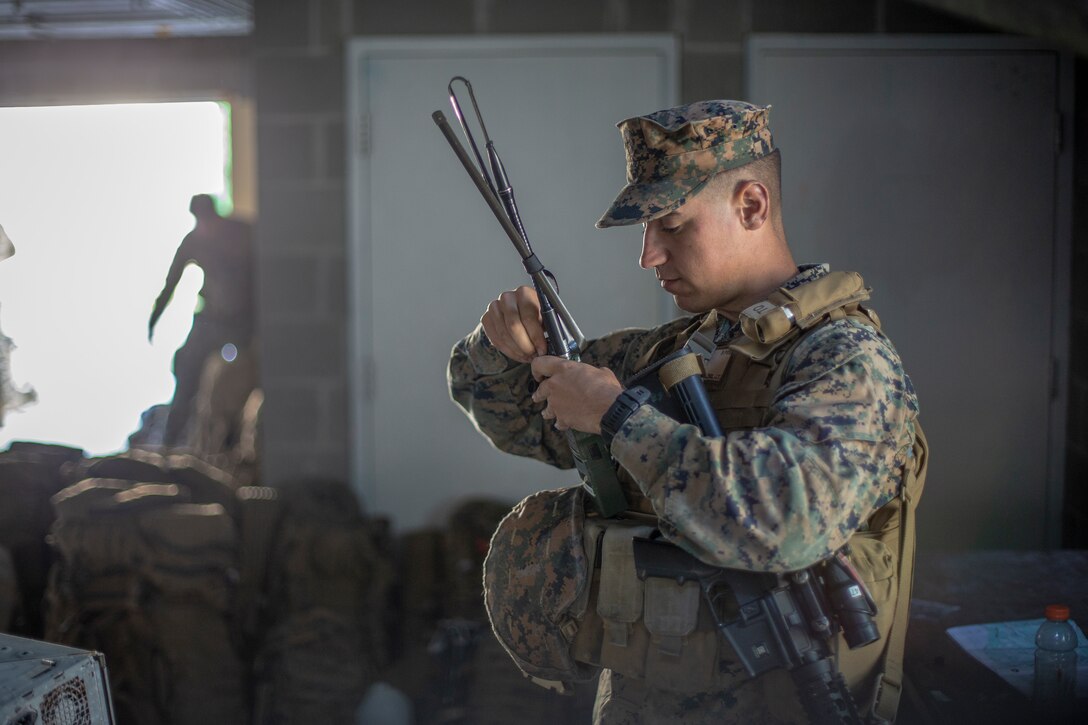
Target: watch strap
(625,405)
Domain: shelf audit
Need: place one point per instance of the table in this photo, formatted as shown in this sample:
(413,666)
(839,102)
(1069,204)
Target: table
(944,683)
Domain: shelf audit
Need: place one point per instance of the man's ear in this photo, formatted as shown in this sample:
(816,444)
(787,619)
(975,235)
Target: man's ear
(753,204)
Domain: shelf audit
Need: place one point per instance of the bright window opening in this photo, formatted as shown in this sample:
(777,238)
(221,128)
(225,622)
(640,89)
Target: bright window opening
(96,201)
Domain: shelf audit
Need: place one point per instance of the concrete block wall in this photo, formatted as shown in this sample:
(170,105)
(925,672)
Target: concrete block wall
(43,72)
(301,106)
(302,287)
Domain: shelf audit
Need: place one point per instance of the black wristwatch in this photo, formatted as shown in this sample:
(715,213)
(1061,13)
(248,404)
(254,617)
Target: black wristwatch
(623,408)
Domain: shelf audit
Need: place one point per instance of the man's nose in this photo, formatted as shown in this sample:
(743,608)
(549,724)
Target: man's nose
(653,254)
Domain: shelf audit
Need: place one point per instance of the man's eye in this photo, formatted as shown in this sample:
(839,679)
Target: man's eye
(671,230)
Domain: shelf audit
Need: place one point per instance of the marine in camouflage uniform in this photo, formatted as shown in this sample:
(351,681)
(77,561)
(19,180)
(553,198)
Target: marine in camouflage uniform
(775,498)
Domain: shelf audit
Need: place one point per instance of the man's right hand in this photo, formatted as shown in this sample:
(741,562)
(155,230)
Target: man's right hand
(513,324)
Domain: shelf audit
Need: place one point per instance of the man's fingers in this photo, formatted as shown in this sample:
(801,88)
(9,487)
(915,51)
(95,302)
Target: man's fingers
(516,323)
(574,395)
(497,325)
(512,323)
(495,328)
(529,309)
(546,366)
(549,414)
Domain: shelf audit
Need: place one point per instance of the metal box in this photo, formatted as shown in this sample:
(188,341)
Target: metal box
(50,684)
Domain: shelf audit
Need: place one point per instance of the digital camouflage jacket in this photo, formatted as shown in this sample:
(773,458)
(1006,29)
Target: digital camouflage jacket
(776,498)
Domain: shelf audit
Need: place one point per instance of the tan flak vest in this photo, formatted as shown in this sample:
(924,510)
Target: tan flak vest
(662,632)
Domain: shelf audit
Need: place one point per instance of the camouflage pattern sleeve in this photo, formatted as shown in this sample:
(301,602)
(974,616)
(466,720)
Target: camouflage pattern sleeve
(496,392)
(783,497)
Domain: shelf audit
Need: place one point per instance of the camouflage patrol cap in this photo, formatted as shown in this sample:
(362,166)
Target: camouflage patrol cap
(671,154)
(535,574)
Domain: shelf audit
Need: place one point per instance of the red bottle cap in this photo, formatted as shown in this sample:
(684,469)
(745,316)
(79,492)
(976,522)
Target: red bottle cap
(1057,612)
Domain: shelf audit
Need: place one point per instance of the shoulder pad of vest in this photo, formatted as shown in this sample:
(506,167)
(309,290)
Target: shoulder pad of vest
(773,319)
(760,351)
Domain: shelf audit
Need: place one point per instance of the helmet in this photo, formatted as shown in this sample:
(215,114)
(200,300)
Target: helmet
(536,583)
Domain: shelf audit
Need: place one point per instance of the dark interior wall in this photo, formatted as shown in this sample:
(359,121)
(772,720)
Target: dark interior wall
(293,66)
(301,109)
(1075,518)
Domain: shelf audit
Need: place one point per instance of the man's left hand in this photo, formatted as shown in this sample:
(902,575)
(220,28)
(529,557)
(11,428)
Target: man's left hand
(577,394)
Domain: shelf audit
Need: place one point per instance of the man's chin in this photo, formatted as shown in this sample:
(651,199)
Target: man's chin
(689,304)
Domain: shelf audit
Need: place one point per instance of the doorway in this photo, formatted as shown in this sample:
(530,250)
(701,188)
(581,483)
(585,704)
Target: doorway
(95,199)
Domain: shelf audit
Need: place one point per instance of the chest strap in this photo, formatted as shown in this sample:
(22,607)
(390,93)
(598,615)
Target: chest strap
(890,684)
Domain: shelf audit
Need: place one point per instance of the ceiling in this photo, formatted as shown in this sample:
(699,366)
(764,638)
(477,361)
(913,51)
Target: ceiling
(1064,22)
(37,19)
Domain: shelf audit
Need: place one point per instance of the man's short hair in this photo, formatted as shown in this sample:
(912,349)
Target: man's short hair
(766,170)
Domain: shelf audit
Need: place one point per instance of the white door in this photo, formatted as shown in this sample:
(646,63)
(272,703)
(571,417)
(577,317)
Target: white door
(427,255)
(935,168)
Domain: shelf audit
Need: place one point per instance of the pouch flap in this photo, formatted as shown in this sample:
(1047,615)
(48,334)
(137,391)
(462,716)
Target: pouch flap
(760,351)
(620,596)
(672,610)
(679,369)
(592,532)
(771,320)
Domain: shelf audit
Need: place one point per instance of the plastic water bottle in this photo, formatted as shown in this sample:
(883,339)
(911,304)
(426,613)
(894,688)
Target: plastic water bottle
(1055,665)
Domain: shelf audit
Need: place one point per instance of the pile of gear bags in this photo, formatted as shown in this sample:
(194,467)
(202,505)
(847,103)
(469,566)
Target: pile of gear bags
(216,601)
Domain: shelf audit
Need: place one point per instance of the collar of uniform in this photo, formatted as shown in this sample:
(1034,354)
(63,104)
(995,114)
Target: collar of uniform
(805,273)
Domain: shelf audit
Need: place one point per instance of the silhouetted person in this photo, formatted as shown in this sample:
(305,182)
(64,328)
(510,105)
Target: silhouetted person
(11,397)
(6,247)
(221,247)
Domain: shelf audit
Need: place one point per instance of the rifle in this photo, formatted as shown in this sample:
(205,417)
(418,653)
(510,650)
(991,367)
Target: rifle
(565,339)
(780,622)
